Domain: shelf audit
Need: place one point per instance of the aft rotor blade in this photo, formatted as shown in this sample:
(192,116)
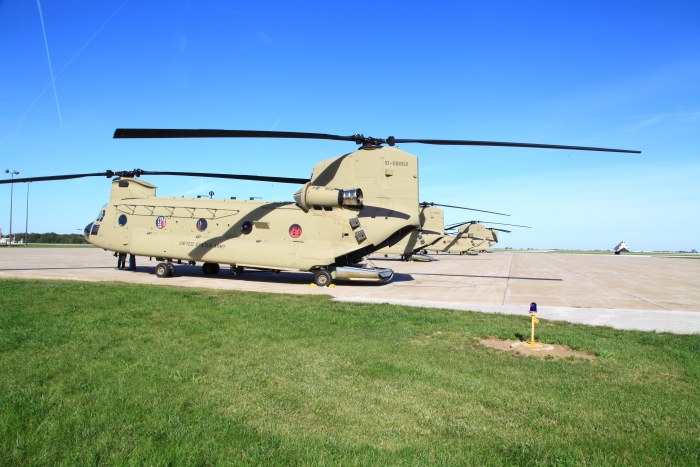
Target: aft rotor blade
(174,133)
(256,178)
(501,230)
(460,207)
(459,224)
(106,173)
(454,142)
(512,225)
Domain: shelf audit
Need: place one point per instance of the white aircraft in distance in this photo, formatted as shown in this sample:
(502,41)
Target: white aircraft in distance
(622,246)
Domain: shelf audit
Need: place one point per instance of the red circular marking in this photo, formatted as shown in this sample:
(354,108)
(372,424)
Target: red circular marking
(295,231)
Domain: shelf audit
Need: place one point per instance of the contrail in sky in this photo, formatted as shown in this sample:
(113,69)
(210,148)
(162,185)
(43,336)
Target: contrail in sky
(61,71)
(49,58)
(273,127)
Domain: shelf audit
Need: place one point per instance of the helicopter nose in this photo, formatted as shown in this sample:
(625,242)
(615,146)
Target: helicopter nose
(86,232)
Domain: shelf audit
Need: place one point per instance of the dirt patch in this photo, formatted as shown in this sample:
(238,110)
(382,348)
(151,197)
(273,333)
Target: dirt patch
(546,352)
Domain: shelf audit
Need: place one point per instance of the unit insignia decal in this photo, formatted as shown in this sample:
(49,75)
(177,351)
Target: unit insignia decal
(295,231)
(160,222)
(202,225)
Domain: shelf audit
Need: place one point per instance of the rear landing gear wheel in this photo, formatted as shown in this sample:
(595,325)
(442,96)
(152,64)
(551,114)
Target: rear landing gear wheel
(322,278)
(210,269)
(162,270)
(171,270)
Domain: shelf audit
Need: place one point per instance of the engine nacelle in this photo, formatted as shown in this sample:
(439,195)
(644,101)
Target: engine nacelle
(310,196)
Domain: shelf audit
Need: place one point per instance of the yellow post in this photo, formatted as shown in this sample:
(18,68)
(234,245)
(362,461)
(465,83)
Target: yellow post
(533,314)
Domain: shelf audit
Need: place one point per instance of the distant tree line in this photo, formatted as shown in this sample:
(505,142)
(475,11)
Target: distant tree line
(51,237)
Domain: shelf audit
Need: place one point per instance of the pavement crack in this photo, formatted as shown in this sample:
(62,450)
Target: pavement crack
(510,270)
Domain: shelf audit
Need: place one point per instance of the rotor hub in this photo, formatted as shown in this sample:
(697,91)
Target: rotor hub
(370,142)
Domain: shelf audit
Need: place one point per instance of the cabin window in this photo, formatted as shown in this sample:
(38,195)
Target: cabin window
(246,227)
(122,220)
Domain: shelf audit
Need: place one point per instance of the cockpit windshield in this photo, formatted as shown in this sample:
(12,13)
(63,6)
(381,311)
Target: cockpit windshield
(101,215)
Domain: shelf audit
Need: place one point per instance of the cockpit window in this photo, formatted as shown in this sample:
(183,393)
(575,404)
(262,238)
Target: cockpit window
(101,216)
(95,229)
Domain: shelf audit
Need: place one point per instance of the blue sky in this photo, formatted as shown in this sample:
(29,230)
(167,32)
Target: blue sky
(611,74)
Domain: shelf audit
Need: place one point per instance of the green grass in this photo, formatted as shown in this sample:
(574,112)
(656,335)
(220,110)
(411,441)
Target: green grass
(121,374)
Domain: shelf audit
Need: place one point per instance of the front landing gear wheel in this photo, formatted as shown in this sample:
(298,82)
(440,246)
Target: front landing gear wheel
(162,270)
(210,269)
(322,278)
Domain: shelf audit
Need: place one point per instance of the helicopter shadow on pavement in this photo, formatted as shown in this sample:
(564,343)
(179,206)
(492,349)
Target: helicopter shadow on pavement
(185,270)
(252,275)
(249,275)
(48,269)
(491,277)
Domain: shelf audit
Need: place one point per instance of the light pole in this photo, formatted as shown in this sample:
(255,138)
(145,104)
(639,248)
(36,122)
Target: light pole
(12,192)
(26,222)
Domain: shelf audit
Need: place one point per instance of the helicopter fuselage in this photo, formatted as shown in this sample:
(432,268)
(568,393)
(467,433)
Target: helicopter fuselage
(471,238)
(320,230)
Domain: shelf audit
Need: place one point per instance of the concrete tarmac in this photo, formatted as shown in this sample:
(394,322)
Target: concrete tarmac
(625,292)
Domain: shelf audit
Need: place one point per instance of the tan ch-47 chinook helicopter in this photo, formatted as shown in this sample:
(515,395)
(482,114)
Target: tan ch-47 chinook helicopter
(353,205)
(414,246)
(472,238)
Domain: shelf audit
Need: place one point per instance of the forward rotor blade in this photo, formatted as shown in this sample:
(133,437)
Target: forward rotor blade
(107,173)
(257,178)
(169,133)
(356,138)
(453,142)
(460,207)
(139,172)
